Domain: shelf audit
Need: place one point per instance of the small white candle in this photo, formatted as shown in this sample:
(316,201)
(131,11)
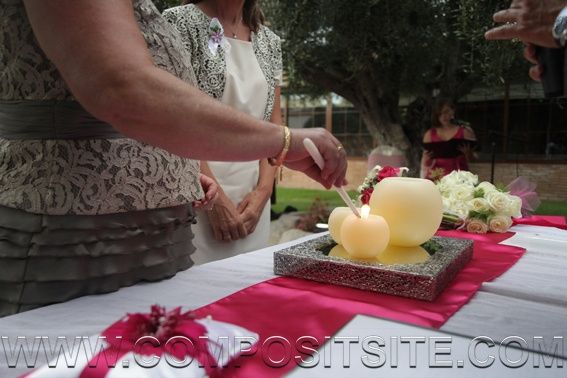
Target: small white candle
(403,255)
(336,220)
(364,237)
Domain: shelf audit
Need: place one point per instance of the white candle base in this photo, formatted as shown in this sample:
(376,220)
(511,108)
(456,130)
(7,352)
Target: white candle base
(340,251)
(403,255)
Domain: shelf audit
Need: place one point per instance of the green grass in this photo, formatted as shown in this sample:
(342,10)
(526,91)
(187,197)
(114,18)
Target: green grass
(302,199)
(552,208)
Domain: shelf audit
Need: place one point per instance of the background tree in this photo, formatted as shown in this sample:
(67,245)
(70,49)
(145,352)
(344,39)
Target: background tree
(373,51)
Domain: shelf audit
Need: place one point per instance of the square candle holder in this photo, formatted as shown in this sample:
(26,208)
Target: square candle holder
(310,260)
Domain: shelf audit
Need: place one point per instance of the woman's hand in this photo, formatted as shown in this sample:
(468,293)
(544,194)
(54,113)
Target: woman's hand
(251,208)
(211,189)
(330,148)
(225,220)
(466,150)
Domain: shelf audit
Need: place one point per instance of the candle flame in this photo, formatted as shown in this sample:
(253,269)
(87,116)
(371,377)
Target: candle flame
(364,211)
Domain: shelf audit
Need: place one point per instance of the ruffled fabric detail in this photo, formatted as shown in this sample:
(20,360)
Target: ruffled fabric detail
(48,259)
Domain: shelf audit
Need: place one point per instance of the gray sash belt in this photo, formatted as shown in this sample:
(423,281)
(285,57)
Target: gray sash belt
(51,120)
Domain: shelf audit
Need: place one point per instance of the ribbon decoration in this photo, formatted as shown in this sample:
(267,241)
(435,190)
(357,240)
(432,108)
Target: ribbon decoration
(137,344)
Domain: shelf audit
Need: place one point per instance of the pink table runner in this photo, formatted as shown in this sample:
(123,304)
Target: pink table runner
(544,220)
(292,308)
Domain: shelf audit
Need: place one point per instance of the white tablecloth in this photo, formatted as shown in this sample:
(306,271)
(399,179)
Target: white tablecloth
(528,300)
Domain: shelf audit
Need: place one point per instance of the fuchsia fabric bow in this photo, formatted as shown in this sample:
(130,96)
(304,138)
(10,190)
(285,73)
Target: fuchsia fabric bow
(124,336)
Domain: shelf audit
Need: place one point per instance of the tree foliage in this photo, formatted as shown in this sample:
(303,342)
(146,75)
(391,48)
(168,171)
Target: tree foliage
(388,41)
(493,62)
(373,51)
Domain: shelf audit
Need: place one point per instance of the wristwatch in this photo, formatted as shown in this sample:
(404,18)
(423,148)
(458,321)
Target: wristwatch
(559,30)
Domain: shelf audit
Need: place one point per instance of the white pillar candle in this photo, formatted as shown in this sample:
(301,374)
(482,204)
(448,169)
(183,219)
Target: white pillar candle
(412,207)
(364,237)
(336,219)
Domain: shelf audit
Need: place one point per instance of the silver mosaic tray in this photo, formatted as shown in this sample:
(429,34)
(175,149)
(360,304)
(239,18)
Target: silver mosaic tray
(309,260)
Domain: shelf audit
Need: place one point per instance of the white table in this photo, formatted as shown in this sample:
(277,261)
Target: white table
(529,300)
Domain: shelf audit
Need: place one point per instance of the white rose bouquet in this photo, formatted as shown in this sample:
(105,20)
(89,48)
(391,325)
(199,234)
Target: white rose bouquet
(476,207)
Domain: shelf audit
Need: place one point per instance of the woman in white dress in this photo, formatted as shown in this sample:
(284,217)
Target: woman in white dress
(237,60)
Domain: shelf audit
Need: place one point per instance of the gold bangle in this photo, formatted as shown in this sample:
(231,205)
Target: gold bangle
(278,160)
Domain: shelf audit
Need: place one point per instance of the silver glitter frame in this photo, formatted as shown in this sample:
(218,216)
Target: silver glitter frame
(422,281)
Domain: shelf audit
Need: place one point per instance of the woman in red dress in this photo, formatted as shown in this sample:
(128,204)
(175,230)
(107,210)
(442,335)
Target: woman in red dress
(445,129)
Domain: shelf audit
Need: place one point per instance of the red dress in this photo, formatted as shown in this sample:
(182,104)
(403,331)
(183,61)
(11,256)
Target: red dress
(443,166)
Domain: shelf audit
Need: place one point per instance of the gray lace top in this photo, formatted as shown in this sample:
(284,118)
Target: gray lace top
(94,175)
(210,68)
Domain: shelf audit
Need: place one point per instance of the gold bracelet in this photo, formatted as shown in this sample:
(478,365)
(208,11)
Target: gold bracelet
(278,160)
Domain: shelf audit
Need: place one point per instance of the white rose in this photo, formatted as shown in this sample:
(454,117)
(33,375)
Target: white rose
(443,188)
(466,177)
(461,178)
(455,207)
(486,187)
(447,204)
(443,182)
(476,226)
(460,208)
(498,201)
(449,180)
(479,205)
(515,209)
(463,192)
(499,223)
(375,170)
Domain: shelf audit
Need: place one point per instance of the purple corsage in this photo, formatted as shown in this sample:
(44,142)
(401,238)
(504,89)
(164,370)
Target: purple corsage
(216,37)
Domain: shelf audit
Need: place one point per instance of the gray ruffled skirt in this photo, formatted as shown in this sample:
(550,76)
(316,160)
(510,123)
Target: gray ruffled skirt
(47,259)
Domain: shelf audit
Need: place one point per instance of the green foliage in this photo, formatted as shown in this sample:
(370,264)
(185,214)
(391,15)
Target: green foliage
(431,246)
(391,42)
(481,215)
(162,5)
(501,187)
(405,46)
(478,193)
(495,62)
